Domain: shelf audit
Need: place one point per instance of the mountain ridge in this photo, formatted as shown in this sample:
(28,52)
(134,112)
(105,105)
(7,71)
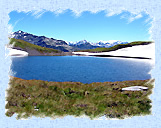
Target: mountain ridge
(62,45)
(41,41)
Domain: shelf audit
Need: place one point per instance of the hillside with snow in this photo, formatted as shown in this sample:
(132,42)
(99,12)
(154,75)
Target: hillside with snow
(142,51)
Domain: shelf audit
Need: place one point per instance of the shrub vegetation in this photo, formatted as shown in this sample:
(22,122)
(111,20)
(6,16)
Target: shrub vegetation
(40,98)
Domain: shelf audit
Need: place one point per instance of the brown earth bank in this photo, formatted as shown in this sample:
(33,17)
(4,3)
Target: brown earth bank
(39,98)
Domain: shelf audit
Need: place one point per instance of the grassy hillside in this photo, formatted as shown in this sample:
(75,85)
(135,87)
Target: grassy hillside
(25,45)
(39,98)
(119,46)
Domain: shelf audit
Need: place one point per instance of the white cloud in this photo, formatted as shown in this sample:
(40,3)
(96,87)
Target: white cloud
(38,14)
(10,28)
(132,18)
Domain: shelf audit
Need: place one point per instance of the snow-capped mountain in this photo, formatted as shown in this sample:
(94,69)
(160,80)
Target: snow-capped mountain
(82,42)
(105,44)
(109,43)
(78,42)
(60,44)
(82,45)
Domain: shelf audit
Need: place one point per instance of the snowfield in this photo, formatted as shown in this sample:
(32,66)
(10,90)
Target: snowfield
(147,51)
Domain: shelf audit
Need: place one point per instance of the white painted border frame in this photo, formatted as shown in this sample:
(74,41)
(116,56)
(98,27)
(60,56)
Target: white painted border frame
(151,7)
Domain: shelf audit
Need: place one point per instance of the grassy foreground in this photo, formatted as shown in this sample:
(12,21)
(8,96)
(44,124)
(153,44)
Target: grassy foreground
(118,46)
(39,98)
(25,45)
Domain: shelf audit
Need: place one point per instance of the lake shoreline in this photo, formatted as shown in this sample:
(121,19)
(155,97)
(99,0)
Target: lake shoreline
(17,53)
(13,77)
(146,51)
(109,56)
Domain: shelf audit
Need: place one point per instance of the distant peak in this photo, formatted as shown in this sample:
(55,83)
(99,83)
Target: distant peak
(19,31)
(84,40)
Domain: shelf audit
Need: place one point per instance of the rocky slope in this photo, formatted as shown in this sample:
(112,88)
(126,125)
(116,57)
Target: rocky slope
(42,41)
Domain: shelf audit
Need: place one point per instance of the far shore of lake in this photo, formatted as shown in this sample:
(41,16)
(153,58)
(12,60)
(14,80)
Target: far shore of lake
(135,52)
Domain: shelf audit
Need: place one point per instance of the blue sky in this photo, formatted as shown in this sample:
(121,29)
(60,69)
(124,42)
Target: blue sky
(89,26)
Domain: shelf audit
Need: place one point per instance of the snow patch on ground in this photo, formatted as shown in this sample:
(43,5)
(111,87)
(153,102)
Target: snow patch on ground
(134,88)
(15,52)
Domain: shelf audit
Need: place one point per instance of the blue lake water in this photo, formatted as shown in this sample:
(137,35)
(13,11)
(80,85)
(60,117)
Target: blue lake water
(78,68)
